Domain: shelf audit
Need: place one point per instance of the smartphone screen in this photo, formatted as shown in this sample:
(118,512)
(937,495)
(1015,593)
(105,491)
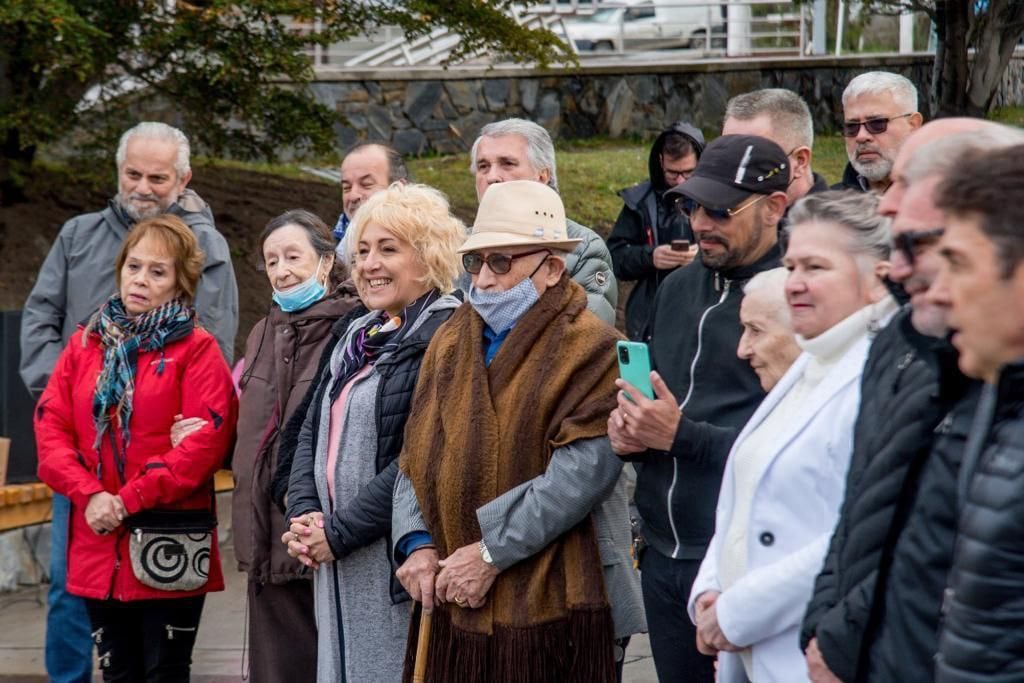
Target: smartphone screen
(680,245)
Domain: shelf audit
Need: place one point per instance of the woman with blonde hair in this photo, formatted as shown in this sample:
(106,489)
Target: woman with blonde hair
(143,542)
(402,245)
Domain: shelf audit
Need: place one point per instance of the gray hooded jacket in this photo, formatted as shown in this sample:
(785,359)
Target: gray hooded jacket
(78,276)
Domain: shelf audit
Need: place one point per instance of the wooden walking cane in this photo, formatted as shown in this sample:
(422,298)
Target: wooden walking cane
(419,671)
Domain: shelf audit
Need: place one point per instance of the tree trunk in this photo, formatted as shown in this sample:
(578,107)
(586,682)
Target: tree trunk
(998,31)
(951,84)
(15,164)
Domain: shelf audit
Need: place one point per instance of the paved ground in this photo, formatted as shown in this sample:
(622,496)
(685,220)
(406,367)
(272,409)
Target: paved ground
(218,654)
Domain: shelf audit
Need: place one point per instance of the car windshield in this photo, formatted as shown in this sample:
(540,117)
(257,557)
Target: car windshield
(605,16)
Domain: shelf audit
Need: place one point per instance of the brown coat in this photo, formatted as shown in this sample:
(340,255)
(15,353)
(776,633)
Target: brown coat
(281,357)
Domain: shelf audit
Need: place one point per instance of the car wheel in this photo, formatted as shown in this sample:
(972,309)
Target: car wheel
(697,41)
(603,46)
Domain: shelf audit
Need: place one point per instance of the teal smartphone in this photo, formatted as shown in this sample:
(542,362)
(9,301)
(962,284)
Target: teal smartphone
(635,366)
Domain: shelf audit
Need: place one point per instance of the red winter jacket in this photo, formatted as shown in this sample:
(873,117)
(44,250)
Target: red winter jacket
(195,382)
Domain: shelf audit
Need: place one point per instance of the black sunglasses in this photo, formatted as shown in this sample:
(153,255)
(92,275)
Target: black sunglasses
(874,126)
(498,263)
(688,207)
(907,243)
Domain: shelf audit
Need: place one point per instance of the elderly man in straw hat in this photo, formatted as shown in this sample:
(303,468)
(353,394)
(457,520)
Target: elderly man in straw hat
(503,510)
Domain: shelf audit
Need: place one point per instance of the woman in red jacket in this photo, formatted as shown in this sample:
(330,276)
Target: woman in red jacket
(142,543)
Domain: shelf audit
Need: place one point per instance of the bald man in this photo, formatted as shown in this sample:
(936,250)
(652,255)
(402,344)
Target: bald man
(872,619)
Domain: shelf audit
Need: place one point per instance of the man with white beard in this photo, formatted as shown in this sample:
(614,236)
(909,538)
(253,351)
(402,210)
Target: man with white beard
(879,112)
(75,279)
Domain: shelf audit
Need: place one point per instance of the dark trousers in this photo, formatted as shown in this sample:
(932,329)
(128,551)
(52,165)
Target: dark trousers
(145,640)
(666,585)
(276,612)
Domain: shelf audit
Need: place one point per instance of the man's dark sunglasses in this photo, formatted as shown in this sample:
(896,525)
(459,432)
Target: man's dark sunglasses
(498,263)
(874,126)
(688,206)
(907,243)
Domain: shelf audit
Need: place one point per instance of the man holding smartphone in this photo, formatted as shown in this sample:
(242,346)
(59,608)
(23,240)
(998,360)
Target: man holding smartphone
(734,201)
(651,238)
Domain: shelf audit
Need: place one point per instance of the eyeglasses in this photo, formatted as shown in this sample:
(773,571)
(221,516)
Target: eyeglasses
(679,176)
(874,126)
(498,263)
(689,206)
(907,243)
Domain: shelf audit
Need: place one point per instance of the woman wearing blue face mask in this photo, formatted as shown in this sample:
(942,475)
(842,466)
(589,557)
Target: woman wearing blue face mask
(281,357)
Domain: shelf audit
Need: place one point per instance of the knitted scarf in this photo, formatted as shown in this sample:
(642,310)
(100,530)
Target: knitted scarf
(379,335)
(123,336)
(475,432)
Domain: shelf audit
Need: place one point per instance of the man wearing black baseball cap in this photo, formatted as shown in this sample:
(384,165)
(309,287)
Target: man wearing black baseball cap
(734,201)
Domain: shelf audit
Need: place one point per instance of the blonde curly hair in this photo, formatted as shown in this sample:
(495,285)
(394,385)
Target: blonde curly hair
(419,215)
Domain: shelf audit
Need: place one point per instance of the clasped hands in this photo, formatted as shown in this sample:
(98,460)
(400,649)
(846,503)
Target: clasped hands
(640,423)
(710,639)
(463,577)
(306,540)
(104,512)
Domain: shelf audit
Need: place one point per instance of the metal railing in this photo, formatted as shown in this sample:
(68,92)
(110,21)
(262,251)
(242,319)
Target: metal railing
(682,29)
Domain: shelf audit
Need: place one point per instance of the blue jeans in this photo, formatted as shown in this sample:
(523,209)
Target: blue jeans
(68,634)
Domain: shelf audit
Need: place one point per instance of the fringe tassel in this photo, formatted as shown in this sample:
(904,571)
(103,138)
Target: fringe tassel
(578,649)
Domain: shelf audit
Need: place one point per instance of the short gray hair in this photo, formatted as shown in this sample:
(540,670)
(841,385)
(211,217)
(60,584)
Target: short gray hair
(540,150)
(154,130)
(772,285)
(903,91)
(856,213)
(942,156)
(787,111)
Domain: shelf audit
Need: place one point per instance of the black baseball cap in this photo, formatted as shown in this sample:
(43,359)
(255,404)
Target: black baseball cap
(732,168)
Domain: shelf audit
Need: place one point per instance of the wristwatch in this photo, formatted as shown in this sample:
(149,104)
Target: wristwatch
(485,554)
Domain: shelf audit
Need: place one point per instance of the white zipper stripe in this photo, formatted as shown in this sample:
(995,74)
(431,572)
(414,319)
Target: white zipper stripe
(686,399)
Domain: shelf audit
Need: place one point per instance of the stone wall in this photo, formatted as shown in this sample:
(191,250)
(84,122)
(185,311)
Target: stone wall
(435,110)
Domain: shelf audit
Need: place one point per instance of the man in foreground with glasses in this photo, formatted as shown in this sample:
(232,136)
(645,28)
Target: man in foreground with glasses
(875,611)
(734,201)
(879,112)
(508,469)
(651,238)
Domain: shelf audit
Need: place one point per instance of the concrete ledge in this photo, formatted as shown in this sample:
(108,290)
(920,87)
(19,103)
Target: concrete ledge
(667,64)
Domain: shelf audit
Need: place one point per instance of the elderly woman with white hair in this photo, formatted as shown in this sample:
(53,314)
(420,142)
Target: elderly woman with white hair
(402,244)
(786,472)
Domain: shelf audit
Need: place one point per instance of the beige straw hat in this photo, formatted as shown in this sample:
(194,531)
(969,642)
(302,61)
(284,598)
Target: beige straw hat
(519,213)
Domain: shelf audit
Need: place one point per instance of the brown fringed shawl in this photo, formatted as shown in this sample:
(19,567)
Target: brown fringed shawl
(474,433)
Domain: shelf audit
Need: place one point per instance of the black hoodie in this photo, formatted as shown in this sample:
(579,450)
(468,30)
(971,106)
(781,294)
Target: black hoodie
(644,223)
(695,329)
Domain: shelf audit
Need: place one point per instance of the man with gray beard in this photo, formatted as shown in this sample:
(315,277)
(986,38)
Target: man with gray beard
(75,279)
(879,112)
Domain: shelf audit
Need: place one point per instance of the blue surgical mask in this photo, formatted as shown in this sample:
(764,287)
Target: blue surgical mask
(302,295)
(502,310)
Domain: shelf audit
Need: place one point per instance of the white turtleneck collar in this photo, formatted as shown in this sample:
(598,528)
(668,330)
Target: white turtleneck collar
(829,346)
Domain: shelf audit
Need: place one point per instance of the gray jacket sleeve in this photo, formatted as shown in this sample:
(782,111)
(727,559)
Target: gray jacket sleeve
(216,298)
(42,320)
(590,265)
(525,519)
(406,516)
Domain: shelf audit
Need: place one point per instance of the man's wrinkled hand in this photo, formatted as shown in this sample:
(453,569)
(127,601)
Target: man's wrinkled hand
(465,578)
(417,576)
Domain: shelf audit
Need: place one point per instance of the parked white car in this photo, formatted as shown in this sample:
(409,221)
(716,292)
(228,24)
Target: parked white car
(648,25)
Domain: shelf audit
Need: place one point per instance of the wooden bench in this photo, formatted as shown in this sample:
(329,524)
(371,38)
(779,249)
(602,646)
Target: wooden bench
(27,504)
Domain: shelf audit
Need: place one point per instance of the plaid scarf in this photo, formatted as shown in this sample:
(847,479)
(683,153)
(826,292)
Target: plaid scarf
(123,336)
(380,335)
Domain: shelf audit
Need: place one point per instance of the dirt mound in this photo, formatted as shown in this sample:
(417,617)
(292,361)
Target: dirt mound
(242,201)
